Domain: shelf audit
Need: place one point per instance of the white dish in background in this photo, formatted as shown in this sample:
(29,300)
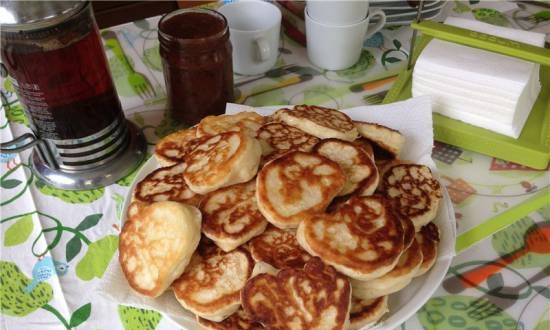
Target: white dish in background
(401,4)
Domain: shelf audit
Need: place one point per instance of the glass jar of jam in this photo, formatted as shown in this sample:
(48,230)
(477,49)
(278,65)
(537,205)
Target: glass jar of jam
(196,56)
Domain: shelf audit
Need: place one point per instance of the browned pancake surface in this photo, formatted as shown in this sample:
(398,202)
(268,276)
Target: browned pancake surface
(316,297)
(166,184)
(362,238)
(365,312)
(279,248)
(237,321)
(175,146)
(231,213)
(322,116)
(282,137)
(428,239)
(295,184)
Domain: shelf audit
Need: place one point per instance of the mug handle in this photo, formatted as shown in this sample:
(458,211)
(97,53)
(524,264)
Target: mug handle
(263,50)
(379,25)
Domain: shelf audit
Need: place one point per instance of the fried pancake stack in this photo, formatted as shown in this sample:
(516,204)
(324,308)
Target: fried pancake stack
(306,220)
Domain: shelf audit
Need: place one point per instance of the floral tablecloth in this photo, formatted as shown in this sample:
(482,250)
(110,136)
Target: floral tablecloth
(56,245)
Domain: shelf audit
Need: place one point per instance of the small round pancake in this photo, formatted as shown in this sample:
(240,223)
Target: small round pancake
(428,239)
(413,192)
(156,244)
(277,137)
(247,121)
(231,216)
(395,280)
(315,297)
(362,239)
(210,286)
(236,321)
(172,148)
(278,248)
(382,137)
(365,313)
(222,160)
(318,121)
(296,184)
(361,173)
(166,184)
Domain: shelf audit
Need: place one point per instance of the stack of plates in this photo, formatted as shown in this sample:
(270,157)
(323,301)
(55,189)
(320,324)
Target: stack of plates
(402,12)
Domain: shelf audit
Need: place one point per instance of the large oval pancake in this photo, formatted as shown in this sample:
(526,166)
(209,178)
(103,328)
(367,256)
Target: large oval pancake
(362,239)
(277,137)
(246,121)
(365,313)
(166,184)
(318,121)
(231,216)
(361,173)
(399,277)
(278,248)
(315,297)
(428,239)
(236,321)
(296,184)
(172,148)
(210,286)
(413,192)
(156,244)
(222,160)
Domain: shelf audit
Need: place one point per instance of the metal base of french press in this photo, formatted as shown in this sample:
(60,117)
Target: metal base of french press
(100,176)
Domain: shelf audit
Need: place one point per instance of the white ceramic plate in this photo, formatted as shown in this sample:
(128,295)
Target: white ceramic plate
(402,305)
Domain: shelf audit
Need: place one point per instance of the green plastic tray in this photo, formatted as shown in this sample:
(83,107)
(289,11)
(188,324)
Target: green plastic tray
(532,148)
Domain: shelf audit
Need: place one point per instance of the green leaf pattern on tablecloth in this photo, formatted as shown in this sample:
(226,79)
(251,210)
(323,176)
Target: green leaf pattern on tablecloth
(138,319)
(19,231)
(513,238)
(69,196)
(97,258)
(366,60)
(490,16)
(458,312)
(80,315)
(16,114)
(14,300)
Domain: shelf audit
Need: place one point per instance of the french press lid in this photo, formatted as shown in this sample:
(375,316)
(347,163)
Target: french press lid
(18,15)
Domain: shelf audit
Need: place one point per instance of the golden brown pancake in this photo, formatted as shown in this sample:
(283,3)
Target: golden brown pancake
(365,145)
(386,142)
(358,166)
(210,286)
(408,231)
(247,121)
(279,248)
(318,121)
(296,184)
(166,184)
(413,192)
(398,278)
(222,160)
(428,239)
(231,216)
(172,148)
(362,239)
(156,244)
(280,138)
(365,313)
(236,321)
(315,297)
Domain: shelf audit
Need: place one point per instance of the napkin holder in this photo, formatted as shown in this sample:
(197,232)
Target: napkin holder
(532,148)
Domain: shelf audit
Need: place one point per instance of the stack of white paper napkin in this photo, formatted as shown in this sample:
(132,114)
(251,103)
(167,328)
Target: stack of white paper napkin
(485,89)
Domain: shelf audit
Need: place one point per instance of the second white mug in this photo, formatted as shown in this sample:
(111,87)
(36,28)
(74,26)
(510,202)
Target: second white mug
(338,12)
(254,28)
(337,47)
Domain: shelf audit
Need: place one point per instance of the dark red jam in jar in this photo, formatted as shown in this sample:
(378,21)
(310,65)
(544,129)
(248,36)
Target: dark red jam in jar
(196,53)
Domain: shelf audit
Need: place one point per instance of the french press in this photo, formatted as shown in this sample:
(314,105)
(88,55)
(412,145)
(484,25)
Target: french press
(53,55)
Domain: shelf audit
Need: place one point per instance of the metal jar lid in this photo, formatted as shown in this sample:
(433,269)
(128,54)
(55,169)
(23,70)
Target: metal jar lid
(18,15)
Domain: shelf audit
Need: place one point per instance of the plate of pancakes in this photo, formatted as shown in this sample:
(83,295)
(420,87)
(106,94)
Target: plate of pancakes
(302,218)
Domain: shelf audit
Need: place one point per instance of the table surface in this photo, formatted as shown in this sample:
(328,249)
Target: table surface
(64,240)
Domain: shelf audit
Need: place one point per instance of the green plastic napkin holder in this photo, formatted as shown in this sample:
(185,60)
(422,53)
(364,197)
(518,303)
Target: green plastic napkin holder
(532,148)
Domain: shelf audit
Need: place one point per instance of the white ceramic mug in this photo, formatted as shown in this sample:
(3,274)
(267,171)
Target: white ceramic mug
(336,47)
(254,28)
(343,12)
